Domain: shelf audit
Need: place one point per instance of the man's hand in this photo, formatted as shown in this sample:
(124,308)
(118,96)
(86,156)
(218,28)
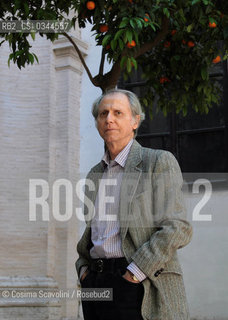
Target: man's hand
(128,275)
(84,275)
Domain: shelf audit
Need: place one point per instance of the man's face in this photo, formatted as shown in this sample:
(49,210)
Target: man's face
(115,122)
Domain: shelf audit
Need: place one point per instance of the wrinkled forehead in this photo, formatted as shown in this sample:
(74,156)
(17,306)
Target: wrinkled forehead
(115,100)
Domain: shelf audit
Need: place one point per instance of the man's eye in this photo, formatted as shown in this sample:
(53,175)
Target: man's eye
(118,112)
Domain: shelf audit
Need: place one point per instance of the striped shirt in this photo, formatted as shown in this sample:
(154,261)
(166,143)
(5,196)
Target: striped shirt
(105,229)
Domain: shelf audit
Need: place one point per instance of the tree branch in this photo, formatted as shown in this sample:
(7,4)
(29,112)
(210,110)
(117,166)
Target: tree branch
(160,36)
(101,69)
(81,58)
(111,78)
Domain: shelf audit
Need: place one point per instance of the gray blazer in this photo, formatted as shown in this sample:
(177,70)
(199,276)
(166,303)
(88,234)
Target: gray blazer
(152,226)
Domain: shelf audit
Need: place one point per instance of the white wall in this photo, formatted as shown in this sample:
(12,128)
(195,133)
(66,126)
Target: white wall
(39,139)
(205,259)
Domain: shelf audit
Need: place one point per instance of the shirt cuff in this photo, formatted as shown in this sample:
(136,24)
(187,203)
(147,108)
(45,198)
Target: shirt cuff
(82,270)
(136,271)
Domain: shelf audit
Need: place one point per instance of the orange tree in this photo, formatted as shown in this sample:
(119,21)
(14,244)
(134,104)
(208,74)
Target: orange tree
(174,42)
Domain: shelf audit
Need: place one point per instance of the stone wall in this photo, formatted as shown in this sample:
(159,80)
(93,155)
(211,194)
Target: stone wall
(39,139)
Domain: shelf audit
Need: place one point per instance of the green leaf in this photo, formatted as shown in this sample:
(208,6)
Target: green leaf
(164,110)
(182,15)
(184,110)
(134,62)
(31,58)
(145,102)
(129,35)
(199,88)
(166,12)
(33,34)
(10,38)
(122,62)
(118,34)
(212,20)
(186,87)
(195,1)
(139,23)
(18,53)
(113,44)
(204,73)
(152,26)
(129,66)
(121,44)
(35,56)
(9,62)
(189,28)
(26,7)
(214,98)
(196,108)
(205,90)
(2,42)
(106,39)
(124,23)
(125,75)
(132,23)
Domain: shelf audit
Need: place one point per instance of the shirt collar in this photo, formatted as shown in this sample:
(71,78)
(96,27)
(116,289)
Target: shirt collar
(121,158)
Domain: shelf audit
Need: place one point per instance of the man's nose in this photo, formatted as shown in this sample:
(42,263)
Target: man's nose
(109,117)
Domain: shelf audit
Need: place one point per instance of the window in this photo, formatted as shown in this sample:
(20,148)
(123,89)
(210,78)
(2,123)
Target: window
(199,142)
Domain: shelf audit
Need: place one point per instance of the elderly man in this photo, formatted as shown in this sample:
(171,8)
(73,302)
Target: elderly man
(131,240)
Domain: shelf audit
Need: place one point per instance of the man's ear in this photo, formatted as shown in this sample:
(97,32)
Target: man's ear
(136,121)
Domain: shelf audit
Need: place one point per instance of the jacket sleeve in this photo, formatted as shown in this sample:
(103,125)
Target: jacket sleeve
(173,231)
(83,252)
(85,244)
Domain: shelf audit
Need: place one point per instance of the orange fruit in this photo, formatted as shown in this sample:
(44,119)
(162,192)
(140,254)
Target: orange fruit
(103,28)
(108,47)
(212,25)
(131,1)
(217,59)
(164,79)
(146,19)
(131,44)
(183,41)
(90,5)
(191,44)
(167,44)
(173,32)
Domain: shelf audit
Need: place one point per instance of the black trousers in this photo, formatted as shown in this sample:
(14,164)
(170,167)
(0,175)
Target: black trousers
(127,297)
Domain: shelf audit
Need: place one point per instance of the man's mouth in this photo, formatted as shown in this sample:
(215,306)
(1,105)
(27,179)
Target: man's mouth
(110,129)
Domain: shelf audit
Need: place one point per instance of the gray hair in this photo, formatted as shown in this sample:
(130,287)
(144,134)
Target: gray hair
(135,106)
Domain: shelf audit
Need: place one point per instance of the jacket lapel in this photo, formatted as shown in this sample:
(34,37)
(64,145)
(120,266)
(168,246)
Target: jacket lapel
(130,180)
(94,175)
